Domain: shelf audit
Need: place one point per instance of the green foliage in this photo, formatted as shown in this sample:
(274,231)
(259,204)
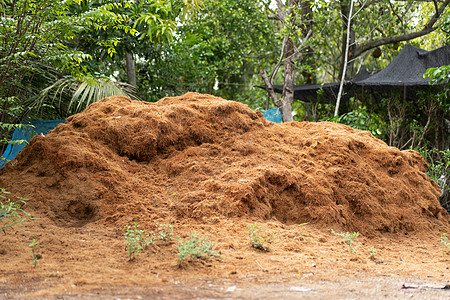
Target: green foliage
(137,240)
(373,251)
(361,119)
(11,113)
(196,247)
(11,212)
(349,239)
(439,164)
(223,46)
(164,232)
(373,21)
(445,243)
(440,75)
(260,238)
(71,95)
(34,254)
(176,69)
(30,58)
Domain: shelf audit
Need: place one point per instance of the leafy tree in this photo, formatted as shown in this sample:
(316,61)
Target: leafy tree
(112,32)
(292,44)
(35,55)
(217,51)
(375,28)
(122,29)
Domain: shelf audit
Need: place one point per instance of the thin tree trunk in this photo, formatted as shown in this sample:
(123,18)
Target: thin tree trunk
(131,68)
(344,69)
(269,88)
(307,29)
(288,91)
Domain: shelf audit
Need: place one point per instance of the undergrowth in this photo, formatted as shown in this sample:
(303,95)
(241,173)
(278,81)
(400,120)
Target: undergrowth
(11,212)
(195,247)
(261,238)
(445,243)
(349,239)
(34,255)
(137,240)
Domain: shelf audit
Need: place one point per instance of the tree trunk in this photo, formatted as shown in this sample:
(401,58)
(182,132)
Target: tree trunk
(345,56)
(287,98)
(345,12)
(131,68)
(307,27)
(287,12)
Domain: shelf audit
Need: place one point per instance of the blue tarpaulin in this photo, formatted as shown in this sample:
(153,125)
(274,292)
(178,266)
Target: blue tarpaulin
(26,133)
(273,115)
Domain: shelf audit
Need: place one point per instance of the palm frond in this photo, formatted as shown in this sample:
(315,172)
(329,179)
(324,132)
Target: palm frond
(69,95)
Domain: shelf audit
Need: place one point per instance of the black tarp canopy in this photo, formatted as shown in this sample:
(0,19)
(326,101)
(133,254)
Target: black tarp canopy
(406,70)
(408,67)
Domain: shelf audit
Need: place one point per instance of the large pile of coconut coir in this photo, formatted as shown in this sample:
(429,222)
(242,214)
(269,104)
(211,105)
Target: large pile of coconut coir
(202,157)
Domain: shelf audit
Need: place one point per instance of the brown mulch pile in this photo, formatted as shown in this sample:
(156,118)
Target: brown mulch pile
(204,158)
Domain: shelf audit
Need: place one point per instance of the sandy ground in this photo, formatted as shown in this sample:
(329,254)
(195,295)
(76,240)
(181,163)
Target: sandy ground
(92,262)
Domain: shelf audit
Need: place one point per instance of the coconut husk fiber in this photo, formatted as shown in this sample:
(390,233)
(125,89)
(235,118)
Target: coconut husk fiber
(199,157)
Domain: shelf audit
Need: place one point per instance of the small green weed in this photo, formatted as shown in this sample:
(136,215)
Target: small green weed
(373,251)
(445,243)
(165,232)
(348,239)
(136,239)
(34,254)
(302,232)
(11,213)
(195,247)
(259,238)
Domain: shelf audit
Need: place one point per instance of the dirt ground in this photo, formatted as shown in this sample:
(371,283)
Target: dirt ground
(211,166)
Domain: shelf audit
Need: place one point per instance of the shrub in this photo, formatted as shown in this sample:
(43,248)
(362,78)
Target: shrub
(259,238)
(136,240)
(195,247)
(34,254)
(165,232)
(348,238)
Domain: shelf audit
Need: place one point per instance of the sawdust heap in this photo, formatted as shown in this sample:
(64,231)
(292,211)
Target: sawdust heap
(201,157)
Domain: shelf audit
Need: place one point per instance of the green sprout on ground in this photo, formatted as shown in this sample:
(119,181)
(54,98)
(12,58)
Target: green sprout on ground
(34,254)
(11,213)
(445,243)
(137,240)
(259,238)
(349,239)
(195,247)
(165,232)
(373,251)
(302,232)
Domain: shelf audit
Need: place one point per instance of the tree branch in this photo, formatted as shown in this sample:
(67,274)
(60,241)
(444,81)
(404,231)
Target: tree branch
(429,27)
(398,17)
(269,88)
(273,15)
